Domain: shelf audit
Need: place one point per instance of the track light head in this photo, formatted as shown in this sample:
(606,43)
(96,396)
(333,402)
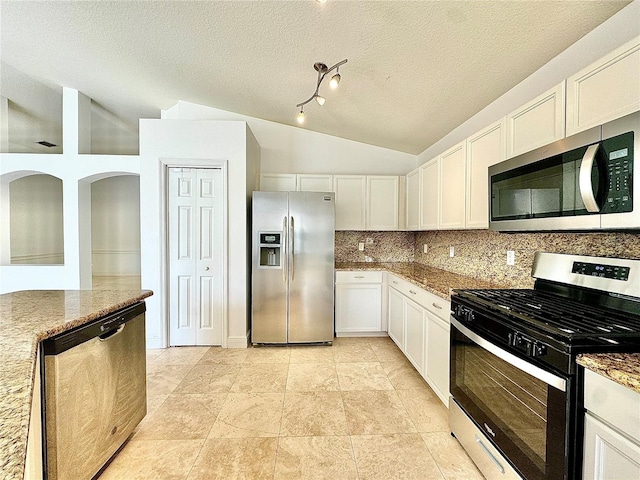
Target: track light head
(320,100)
(335,81)
(301,116)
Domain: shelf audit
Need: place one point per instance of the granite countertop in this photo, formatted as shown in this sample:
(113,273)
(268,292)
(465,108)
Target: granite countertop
(27,318)
(622,368)
(434,280)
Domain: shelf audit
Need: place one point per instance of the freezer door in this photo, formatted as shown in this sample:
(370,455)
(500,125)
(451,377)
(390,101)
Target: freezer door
(268,282)
(311,264)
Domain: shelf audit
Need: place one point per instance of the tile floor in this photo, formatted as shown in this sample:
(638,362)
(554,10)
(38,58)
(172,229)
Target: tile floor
(355,410)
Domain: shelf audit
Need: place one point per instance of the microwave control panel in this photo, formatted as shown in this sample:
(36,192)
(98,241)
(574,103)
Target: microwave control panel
(619,161)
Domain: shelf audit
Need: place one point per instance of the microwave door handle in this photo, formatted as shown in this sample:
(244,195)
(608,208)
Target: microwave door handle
(586,188)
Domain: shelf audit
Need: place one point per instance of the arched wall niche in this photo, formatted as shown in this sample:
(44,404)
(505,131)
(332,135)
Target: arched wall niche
(32,207)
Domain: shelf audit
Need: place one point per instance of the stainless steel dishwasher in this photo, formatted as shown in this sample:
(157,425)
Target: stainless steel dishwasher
(94,392)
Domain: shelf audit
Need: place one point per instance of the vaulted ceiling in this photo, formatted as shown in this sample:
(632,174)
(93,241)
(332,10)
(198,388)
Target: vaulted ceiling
(415,71)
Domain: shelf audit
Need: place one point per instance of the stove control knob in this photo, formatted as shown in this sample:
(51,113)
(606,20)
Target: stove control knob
(538,350)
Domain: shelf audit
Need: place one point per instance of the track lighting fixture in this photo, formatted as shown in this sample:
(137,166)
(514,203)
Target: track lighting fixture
(322,70)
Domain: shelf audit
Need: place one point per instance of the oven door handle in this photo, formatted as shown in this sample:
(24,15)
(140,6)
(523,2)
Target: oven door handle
(537,372)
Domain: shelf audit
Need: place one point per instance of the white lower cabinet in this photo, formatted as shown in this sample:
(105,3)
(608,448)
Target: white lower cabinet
(396,317)
(416,330)
(359,303)
(437,356)
(612,430)
(419,325)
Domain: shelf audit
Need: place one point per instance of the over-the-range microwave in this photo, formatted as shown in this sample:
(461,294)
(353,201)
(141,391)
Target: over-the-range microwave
(582,182)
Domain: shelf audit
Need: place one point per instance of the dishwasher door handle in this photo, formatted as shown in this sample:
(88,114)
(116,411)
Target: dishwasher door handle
(111,333)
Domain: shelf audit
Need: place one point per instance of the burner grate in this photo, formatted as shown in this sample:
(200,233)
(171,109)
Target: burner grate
(559,315)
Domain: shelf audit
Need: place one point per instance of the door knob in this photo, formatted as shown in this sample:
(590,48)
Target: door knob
(206,268)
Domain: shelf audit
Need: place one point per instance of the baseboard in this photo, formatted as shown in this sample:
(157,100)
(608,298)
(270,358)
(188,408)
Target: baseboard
(238,342)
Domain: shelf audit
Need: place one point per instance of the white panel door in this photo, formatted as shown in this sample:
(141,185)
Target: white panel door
(350,201)
(358,308)
(382,202)
(452,188)
(429,195)
(277,182)
(413,200)
(415,325)
(196,232)
(484,149)
(396,317)
(314,183)
(537,123)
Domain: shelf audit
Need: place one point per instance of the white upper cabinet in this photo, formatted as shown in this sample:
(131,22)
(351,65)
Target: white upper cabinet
(606,90)
(452,186)
(429,195)
(278,182)
(314,183)
(382,202)
(485,148)
(537,123)
(350,193)
(413,200)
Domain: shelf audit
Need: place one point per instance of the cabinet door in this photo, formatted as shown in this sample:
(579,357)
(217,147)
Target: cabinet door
(606,90)
(278,182)
(413,200)
(429,196)
(452,186)
(414,317)
(350,201)
(396,317)
(314,183)
(382,203)
(608,455)
(484,149)
(537,123)
(358,308)
(437,356)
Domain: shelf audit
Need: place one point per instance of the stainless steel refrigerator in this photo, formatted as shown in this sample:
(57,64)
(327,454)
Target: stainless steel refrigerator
(292,267)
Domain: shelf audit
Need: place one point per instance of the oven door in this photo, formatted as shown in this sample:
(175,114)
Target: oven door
(521,408)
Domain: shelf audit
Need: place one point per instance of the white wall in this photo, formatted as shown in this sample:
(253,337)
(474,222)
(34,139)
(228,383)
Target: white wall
(115,226)
(194,143)
(286,149)
(36,220)
(617,30)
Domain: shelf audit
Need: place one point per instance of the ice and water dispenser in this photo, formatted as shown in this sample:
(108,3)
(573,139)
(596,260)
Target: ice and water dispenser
(270,246)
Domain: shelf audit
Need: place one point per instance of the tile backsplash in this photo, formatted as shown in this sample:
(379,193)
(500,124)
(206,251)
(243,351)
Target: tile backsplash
(386,246)
(481,253)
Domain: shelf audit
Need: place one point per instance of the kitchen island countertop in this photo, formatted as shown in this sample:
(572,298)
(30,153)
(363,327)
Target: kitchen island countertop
(26,318)
(622,368)
(434,280)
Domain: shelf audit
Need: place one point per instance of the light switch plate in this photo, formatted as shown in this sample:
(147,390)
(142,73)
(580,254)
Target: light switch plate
(369,241)
(425,248)
(361,246)
(511,257)
(451,251)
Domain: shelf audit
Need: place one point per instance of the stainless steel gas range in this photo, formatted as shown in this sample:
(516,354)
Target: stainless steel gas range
(517,393)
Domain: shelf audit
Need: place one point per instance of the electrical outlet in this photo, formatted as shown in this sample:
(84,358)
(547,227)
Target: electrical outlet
(369,241)
(511,257)
(361,246)
(451,251)
(425,248)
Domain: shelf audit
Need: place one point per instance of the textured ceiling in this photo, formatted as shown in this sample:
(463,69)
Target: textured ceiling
(416,69)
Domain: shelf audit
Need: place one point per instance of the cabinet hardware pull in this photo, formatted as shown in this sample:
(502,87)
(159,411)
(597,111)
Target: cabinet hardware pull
(359,276)
(394,282)
(489,454)
(412,292)
(435,305)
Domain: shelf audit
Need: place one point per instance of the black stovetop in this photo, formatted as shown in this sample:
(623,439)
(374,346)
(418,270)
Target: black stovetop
(564,318)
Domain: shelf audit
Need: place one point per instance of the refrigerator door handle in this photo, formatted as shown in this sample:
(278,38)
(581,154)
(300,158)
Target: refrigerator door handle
(284,248)
(292,265)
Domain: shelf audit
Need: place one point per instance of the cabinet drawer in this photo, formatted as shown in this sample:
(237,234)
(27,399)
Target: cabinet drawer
(614,403)
(433,303)
(359,277)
